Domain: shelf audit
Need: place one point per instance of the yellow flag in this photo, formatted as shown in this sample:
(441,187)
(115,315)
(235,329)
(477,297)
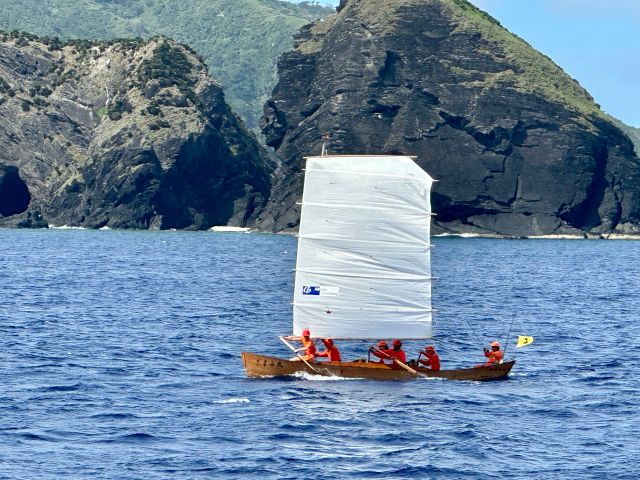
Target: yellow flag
(523,341)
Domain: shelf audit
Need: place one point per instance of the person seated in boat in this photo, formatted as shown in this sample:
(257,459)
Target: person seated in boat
(383,352)
(331,352)
(397,352)
(388,354)
(432,358)
(494,356)
(307,345)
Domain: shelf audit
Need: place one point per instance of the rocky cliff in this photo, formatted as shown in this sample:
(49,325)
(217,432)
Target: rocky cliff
(519,148)
(239,39)
(122,134)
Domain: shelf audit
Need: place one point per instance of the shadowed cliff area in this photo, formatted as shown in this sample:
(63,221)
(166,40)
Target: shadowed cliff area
(121,134)
(518,147)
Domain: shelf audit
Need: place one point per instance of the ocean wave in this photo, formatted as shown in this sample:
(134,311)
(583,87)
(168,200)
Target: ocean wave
(61,388)
(132,438)
(116,416)
(36,436)
(233,400)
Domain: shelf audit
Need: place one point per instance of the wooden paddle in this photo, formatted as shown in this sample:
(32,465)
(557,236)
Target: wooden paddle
(402,365)
(407,367)
(298,355)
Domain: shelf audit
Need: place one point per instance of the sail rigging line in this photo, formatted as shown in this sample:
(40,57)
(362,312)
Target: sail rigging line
(506,343)
(480,342)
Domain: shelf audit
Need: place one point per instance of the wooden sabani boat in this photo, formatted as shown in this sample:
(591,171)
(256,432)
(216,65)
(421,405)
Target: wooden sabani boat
(264,366)
(363,266)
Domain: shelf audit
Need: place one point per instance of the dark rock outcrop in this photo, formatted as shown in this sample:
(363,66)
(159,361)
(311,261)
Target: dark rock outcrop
(518,147)
(123,134)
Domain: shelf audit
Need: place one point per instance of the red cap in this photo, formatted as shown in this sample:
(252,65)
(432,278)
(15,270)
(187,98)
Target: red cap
(382,343)
(495,344)
(397,342)
(306,332)
(430,348)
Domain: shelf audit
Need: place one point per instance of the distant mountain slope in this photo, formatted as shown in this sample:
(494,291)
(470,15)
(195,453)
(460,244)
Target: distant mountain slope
(632,132)
(240,40)
(121,134)
(518,146)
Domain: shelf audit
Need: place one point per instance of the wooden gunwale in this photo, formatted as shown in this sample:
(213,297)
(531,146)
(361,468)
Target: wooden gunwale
(257,365)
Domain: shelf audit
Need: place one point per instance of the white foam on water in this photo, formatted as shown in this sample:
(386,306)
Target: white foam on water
(65,227)
(420,377)
(619,236)
(556,237)
(229,229)
(233,400)
(461,235)
(320,378)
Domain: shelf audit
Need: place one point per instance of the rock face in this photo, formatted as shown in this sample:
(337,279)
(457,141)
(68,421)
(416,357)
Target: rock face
(123,134)
(240,39)
(517,146)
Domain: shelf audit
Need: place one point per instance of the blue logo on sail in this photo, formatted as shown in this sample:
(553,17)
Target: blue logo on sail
(322,290)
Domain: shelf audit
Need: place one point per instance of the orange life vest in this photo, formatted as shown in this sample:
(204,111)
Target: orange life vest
(310,349)
(332,353)
(384,355)
(494,358)
(433,361)
(399,354)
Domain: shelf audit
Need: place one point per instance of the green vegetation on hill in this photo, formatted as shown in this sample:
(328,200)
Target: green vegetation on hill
(537,72)
(240,40)
(632,132)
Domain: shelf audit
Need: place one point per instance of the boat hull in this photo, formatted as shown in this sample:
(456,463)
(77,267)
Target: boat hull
(257,365)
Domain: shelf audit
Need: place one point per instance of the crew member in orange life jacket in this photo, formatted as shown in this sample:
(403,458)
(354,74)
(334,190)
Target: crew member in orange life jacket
(383,352)
(307,345)
(397,351)
(331,352)
(433,360)
(494,356)
(388,354)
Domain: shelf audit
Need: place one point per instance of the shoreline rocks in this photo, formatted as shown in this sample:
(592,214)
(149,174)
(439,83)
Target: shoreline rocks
(122,134)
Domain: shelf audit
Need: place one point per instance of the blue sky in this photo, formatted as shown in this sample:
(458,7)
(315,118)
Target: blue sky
(597,42)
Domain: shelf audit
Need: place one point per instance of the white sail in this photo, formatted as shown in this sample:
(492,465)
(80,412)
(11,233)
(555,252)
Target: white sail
(363,266)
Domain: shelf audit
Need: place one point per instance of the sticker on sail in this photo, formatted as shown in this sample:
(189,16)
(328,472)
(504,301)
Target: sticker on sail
(322,290)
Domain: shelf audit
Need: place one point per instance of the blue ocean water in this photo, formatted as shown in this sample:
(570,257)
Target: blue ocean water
(119,358)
